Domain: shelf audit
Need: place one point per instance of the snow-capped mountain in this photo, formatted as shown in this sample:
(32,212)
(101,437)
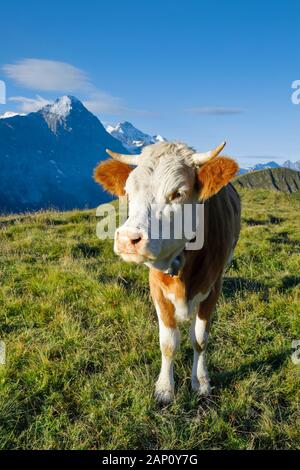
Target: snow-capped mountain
(47,158)
(56,114)
(134,140)
(131,137)
(292,165)
(271,164)
(259,166)
(9,114)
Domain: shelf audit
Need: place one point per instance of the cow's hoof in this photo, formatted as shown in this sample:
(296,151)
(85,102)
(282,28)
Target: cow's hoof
(163,396)
(201,387)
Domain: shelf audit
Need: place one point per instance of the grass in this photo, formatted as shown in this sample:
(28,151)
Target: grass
(82,340)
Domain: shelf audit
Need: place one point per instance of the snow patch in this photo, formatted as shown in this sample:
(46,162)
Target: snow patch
(131,137)
(61,107)
(292,165)
(10,114)
(56,114)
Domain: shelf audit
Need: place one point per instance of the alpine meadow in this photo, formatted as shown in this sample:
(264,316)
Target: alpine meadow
(81,340)
(150,233)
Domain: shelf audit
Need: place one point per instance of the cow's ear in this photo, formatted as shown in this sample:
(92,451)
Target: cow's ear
(215,174)
(112,176)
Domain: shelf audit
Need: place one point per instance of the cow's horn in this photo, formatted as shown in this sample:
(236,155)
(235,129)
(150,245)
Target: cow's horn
(129,159)
(200,158)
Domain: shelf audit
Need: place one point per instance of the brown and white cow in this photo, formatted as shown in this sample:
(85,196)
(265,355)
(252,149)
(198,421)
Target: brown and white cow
(185,285)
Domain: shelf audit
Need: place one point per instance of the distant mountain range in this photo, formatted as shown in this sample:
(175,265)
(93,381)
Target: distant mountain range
(268,165)
(134,140)
(292,165)
(47,158)
(131,137)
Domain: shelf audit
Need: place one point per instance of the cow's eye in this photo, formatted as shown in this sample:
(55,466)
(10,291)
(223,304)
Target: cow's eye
(175,195)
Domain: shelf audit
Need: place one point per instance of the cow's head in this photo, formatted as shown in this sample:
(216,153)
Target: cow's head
(166,177)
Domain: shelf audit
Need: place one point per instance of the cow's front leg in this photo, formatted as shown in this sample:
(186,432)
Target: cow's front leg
(199,336)
(169,339)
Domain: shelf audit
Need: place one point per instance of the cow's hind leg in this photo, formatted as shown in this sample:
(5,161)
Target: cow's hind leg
(199,335)
(199,331)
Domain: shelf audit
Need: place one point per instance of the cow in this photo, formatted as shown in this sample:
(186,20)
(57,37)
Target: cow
(184,284)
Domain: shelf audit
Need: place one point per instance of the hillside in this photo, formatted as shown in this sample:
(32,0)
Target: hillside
(280,179)
(47,158)
(82,340)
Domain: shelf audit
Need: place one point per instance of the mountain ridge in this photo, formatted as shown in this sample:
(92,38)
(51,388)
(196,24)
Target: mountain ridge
(279,179)
(47,158)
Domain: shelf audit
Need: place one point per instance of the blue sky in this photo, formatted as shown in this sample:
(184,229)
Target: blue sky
(197,71)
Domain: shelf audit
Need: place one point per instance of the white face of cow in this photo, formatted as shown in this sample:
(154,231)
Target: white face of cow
(157,190)
(167,178)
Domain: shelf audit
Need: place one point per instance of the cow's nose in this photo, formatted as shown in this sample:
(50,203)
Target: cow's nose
(128,241)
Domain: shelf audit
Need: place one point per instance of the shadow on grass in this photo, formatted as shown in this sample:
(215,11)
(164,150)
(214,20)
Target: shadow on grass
(288,282)
(252,222)
(13,221)
(49,221)
(221,380)
(84,250)
(275,220)
(82,218)
(271,220)
(136,285)
(231,285)
(267,366)
(282,238)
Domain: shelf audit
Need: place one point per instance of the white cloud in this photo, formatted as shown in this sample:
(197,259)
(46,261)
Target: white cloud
(216,111)
(47,75)
(28,105)
(55,76)
(100,102)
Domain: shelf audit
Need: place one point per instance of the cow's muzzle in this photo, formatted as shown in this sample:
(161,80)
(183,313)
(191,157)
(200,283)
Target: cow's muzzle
(132,245)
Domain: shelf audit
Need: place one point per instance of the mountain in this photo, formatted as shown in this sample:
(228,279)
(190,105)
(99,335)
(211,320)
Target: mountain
(292,165)
(280,179)
(259,166)
(9,114)
(263,166)
(132,138)
(47,158)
